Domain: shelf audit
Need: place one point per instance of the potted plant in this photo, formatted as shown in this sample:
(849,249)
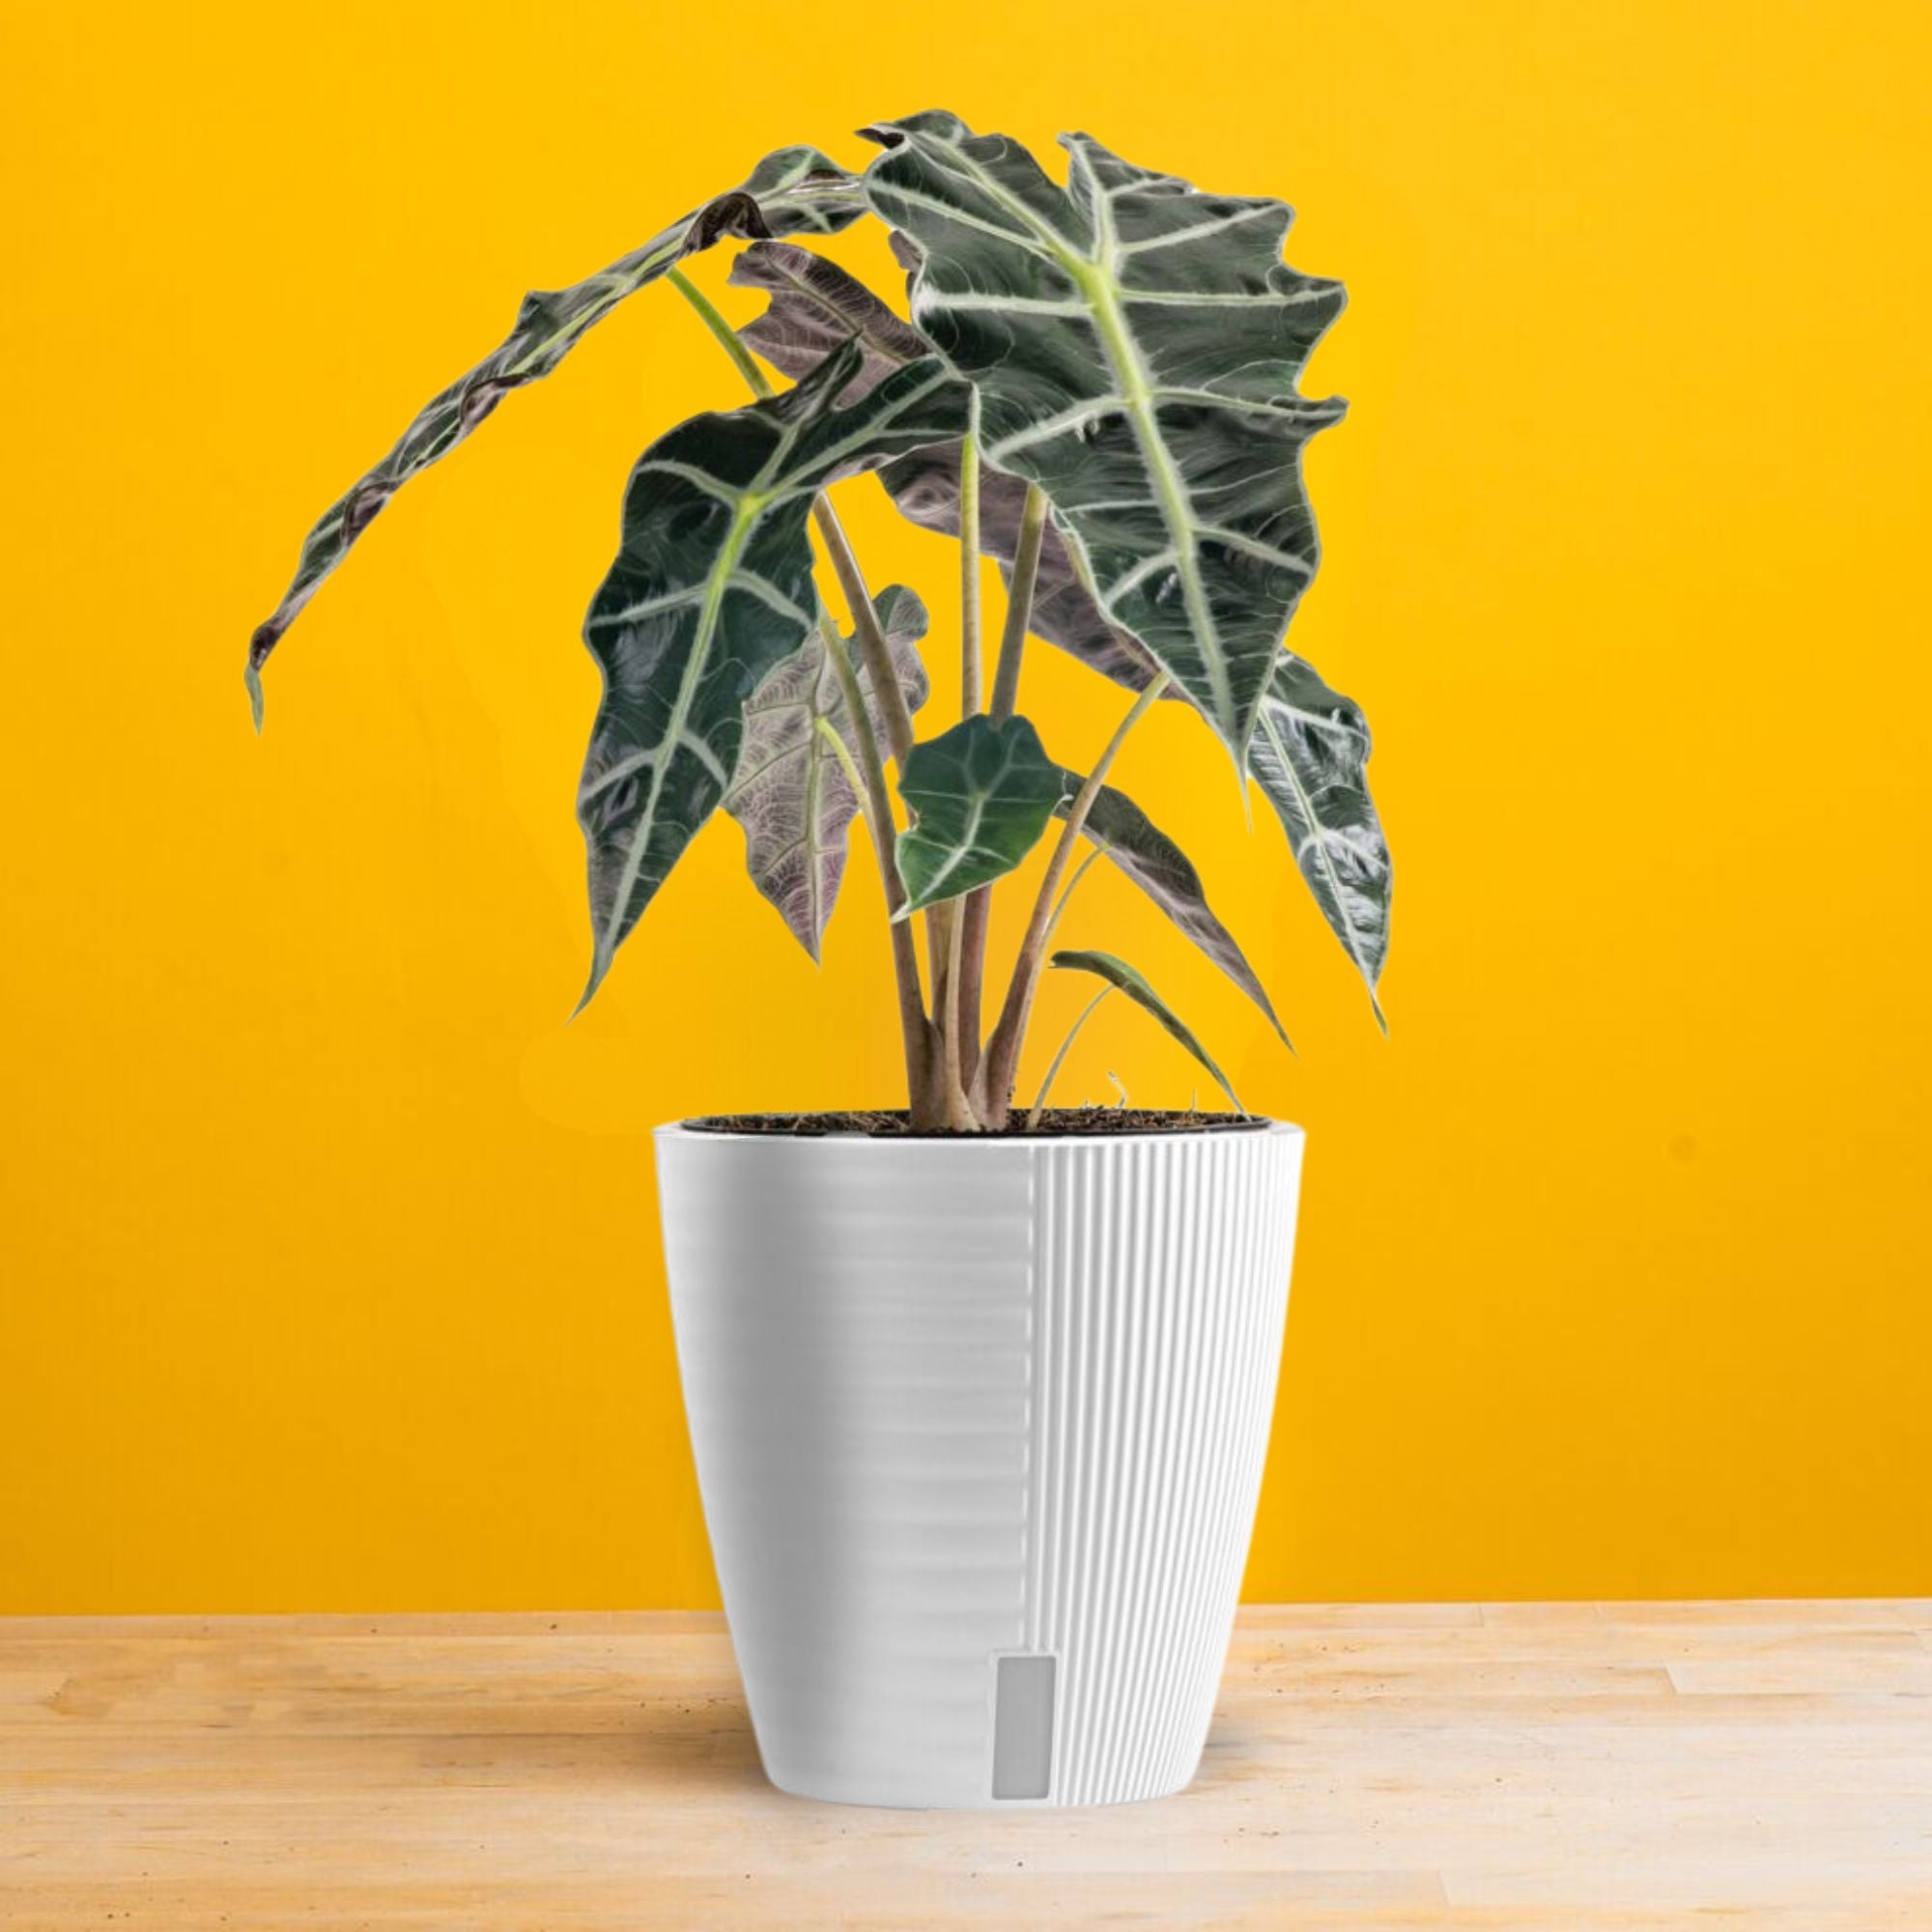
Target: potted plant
(979,1390)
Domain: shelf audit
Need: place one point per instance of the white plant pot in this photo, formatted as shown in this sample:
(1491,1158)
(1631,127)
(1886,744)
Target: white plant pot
(979,1427)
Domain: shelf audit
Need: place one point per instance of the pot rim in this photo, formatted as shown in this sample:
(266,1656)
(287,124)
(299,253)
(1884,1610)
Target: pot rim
(1261,1127)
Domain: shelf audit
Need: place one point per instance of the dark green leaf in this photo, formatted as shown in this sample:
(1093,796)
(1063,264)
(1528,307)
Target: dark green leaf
(1310,757)
(791,792)
(815,306)
(1136,347)
(1310,744)
(712,590)
(981,794)
(1118,973)
(1162,870)
(791,192)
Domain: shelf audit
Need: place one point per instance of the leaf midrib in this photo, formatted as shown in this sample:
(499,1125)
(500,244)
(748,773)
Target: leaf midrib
(744,520)
(1095,280)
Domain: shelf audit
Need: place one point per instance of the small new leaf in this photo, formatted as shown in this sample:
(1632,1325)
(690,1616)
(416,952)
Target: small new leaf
(980,795)
(1118,973)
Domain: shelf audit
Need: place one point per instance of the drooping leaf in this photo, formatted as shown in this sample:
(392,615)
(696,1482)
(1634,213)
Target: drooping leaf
(793,191)
(1310,756)
(814,305)
(711,590)
(791,792)
(1136,346)
(1118,973)
(1162,870)
(981,794)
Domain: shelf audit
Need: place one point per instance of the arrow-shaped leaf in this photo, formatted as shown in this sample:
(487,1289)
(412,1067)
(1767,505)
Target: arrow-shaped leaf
(711,590)
(1118,973)
(791,192)
(791,793)
(1136,346)
(1162,870)
(1310,757)
(814,305)
(981,794)
(1310,744)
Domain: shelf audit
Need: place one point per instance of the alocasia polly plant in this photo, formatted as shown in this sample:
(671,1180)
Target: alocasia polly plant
(1097,387)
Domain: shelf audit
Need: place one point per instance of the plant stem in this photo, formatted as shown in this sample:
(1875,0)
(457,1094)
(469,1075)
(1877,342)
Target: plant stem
(958,1107)
(957,1014)
(1073,886)
(994,1086)
(969,563)
(977,916)
(873,645)
(826,729)
(1053,1072)
(867,777)
(1020,604)
(728,336)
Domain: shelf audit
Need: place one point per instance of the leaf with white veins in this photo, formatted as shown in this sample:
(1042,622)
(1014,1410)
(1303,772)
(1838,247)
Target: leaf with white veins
(794,191)
(1310,744)
(1118,973)
(1310,757)
(791,793)
(711,590)
(815,306)
(1136,346)
(980,795)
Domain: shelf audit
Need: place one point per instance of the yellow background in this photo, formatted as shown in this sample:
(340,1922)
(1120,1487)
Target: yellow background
(331,1274)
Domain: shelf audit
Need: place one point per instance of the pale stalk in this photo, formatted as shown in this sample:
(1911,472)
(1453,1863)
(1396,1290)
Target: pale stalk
(977,912)
(958,1107)
(728,336)
(994,1086)
(873,645)
(867,776)
(1053,1072)
(969,563)
(1019,605)
(1072,887)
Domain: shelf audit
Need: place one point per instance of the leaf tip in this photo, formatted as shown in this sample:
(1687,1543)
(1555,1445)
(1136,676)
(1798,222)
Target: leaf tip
(600,965)
(252,682)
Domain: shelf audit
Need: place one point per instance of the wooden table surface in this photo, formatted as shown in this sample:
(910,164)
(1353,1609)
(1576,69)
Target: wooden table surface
(1555,1767)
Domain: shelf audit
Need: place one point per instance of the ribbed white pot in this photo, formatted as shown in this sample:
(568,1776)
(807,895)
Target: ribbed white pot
(979,1427)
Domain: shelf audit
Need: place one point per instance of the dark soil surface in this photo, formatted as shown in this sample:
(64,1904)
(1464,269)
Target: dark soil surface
(1055,1121)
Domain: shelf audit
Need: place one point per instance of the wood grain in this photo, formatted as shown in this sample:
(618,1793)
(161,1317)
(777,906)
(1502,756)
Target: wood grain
(1558,1767)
